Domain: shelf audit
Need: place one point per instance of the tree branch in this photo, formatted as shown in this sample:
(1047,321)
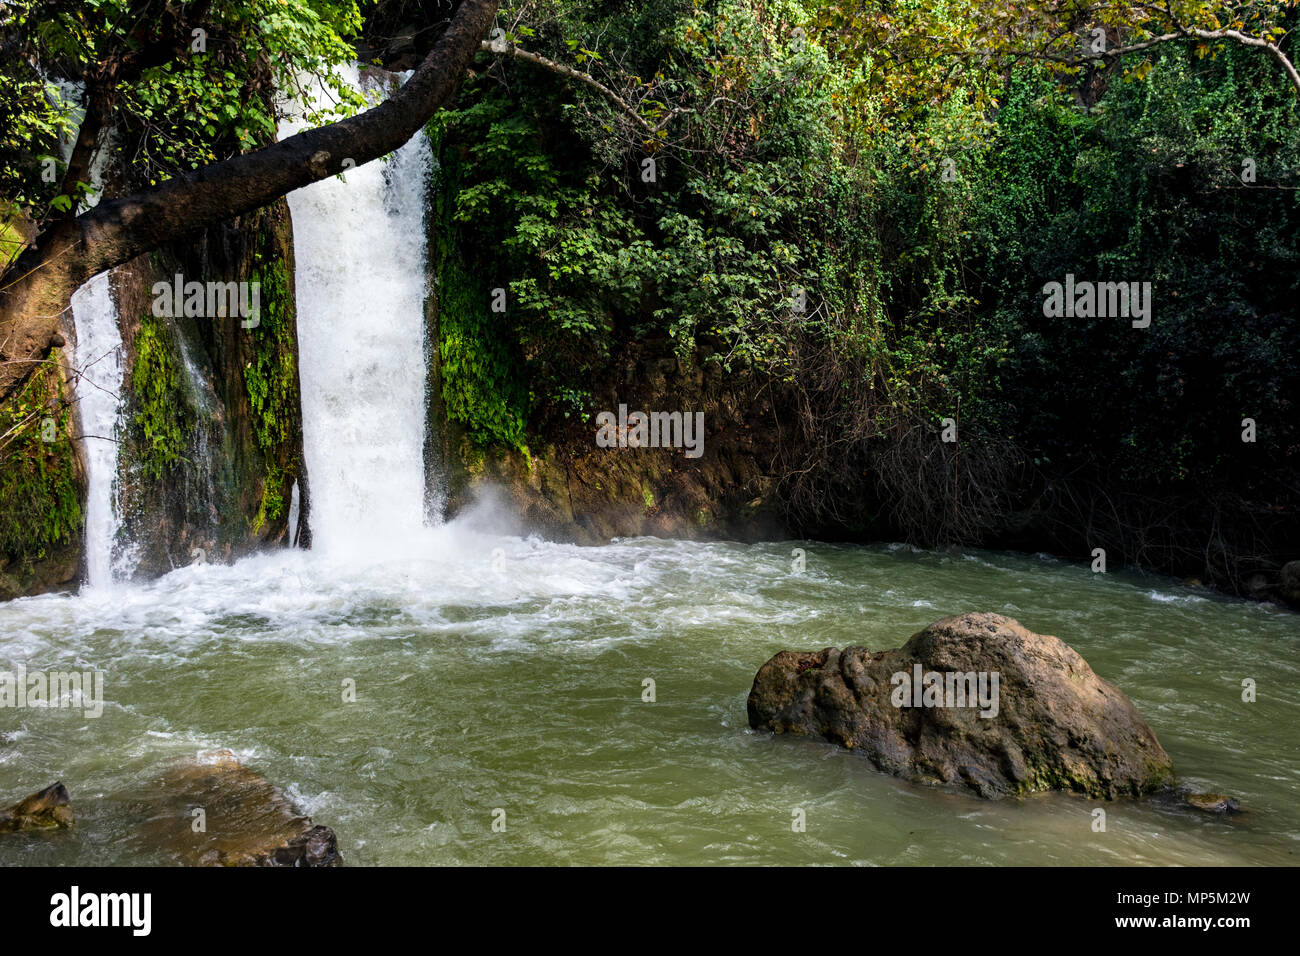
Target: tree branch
(118,230)
(514,52)
(1283,60)
(1180,34)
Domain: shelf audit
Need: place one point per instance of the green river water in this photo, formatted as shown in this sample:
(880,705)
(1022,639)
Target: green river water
(499,672)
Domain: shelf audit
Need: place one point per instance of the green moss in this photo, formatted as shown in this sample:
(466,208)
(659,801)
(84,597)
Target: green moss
(271,381)
(40,490)
(270,376)
(272,506)
(479,384)
(473,457)
(12,240)
(162,421)
(1042,776)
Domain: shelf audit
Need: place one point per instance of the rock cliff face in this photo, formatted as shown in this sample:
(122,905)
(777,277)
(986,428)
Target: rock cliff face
(42,484)
(974,701)
(210,429)
(575,490)
(212,436)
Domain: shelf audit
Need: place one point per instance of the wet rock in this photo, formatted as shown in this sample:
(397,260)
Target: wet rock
(221,487)
(47,809)
(975,701)
(1183,799)
(244,820)
(317,847)
(1212,803)
(1262,585)
(1289,584)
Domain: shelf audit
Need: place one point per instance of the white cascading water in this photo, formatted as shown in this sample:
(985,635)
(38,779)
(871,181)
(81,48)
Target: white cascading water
(97,387)
(98,360)
(361,260)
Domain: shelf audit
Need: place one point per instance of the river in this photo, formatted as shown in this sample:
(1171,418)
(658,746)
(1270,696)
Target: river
(497,672)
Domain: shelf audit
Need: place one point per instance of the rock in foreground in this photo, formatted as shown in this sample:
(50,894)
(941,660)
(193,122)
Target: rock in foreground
(245,821)
(974,700)
(46,810)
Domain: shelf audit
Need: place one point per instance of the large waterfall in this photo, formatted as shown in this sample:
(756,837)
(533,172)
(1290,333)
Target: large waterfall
(360,251)
(361,259)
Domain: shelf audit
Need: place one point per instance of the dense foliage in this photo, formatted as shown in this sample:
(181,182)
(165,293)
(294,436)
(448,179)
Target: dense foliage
(917,208)
(181,85)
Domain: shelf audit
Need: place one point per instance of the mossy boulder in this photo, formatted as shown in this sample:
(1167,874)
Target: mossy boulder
(1040,718)
(48,809)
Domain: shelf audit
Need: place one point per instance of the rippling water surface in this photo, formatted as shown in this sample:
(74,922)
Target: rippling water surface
(495,671)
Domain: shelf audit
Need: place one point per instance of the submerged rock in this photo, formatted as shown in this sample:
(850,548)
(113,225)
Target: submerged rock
(1212,803)
(47,809)
(974,700)
(214,811)
(1182,799)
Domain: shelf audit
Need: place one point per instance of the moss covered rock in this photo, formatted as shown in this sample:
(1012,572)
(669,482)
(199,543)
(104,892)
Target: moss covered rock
(1022,712)
(42,485)
(212,443)
(48,809)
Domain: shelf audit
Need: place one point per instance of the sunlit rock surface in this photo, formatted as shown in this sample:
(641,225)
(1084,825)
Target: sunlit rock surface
(245,821)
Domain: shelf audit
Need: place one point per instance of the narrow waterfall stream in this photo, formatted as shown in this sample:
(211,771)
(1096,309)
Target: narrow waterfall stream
(98,359)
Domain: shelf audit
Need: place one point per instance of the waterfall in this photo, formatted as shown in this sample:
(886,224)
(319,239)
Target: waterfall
(97,359)
(361,261)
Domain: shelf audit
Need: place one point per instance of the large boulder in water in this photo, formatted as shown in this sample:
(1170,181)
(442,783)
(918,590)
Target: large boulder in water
(46,809)
(245,820)
(974,700)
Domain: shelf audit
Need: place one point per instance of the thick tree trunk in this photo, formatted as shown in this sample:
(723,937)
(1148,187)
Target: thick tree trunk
(36,290)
